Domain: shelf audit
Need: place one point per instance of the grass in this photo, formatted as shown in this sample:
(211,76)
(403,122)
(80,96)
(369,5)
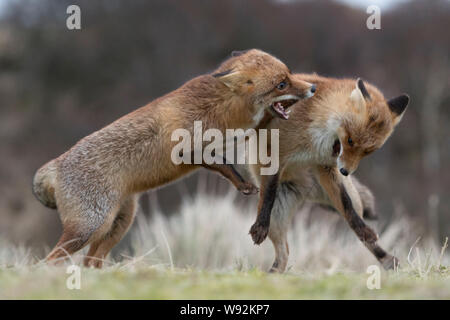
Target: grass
(205,252)
(160,283)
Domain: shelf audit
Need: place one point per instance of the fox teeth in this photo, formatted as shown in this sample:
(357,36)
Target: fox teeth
(278,107)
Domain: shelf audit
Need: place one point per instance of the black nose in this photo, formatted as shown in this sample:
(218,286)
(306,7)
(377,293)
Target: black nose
(344,172)
(313,88)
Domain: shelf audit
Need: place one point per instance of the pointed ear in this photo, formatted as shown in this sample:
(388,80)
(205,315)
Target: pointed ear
(357,97)
(362,88)
(237,53)
(398,104)
(230,78)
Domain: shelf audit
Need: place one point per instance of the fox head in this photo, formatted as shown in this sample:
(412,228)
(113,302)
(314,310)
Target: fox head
(263,81)
(368,122)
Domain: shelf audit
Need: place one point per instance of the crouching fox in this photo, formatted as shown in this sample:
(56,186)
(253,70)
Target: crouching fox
(94,185)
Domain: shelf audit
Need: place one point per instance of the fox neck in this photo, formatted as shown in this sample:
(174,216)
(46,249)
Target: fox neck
(238,112)
(323,134)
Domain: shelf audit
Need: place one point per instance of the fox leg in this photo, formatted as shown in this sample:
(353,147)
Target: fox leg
(100,248)
(367,199)
(70,242)
(79,229)
(353,193)
(230,173)
(331,182)
(286,201)
(362,195)
(269,186)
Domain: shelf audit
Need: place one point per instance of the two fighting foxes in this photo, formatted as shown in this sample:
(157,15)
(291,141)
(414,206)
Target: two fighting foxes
(95,184)
(321,144)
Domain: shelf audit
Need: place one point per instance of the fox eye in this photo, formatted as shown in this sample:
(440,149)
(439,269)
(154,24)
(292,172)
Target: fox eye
(282,85)
(350,142)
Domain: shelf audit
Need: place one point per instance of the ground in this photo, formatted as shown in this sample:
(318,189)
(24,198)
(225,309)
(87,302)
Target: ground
(163,283)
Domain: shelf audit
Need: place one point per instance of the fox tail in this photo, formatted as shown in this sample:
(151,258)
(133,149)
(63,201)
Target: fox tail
(44,184)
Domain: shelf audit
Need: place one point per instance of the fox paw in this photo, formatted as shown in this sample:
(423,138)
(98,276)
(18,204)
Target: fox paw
(390,262)
(259,232)
(248,188)
(93,262)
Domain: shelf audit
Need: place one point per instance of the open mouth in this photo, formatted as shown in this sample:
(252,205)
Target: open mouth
(281,103)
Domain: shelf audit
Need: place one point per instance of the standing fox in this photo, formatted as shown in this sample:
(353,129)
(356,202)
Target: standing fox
(95,184)
(320,145)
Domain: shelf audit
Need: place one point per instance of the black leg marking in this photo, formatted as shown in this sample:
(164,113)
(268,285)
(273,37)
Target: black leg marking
(369,214)
(379,252)
(260,228)
(363,232)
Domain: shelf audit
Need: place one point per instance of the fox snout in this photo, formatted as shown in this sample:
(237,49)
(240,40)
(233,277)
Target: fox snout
(345,171)
(304,89)
(347,167)
(310,92)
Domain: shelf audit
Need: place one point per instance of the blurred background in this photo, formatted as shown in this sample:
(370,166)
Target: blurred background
(58,85)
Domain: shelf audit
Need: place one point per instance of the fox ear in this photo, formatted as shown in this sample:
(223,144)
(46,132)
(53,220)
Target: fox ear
(237,53)
(362,88)
(357,96)
(230,78)
(398,106)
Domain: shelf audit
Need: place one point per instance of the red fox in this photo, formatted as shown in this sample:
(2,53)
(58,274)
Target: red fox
(95,184)
(321,144)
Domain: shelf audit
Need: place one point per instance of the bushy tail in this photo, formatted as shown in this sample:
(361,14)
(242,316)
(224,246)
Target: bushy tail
(44,184)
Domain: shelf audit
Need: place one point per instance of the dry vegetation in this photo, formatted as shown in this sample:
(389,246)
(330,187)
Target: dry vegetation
(205,252)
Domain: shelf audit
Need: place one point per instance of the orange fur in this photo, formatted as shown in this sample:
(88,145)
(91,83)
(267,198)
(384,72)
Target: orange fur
(92,184)
(343,113)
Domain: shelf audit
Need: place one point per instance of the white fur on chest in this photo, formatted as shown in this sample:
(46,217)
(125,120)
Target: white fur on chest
(322,137)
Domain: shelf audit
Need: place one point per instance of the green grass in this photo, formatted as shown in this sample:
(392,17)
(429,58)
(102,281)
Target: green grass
(159,283)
